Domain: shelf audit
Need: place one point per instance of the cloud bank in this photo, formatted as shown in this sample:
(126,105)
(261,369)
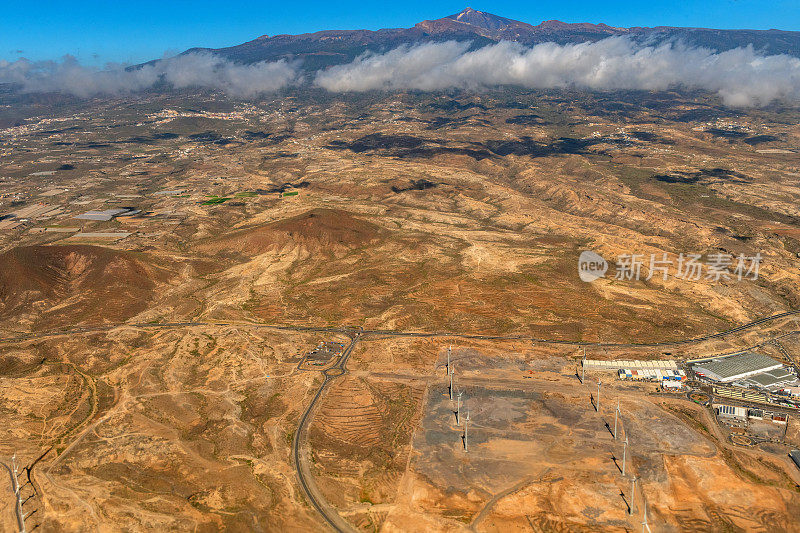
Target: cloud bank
(203,70)
(741,77)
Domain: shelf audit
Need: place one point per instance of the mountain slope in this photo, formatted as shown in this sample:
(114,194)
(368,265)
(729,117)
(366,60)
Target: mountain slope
(332,47)
(77,283)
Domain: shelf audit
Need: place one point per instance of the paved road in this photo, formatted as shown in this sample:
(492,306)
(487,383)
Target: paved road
(680,342)
(397,333)
(487,507)
(304,474)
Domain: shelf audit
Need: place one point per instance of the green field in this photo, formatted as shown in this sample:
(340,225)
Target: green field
(215,200)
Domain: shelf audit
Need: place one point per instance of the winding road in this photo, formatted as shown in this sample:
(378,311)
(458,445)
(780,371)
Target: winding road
(304,475)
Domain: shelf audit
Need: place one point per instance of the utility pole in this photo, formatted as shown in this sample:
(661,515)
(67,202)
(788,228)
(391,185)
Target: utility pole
(633,494)
(615,420)
(624,454)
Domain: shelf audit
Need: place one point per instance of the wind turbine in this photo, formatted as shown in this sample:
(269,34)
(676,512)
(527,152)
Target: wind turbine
(624,454)
(583,366)
(599,384)
(451,371)
(15,487)
(466,432)
(644,520)
(449,348)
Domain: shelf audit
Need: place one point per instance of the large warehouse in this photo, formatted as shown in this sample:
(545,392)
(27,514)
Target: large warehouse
(735,367)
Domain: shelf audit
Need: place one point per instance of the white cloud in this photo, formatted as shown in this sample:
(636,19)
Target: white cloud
(208,70)
(741,77)
(200,69)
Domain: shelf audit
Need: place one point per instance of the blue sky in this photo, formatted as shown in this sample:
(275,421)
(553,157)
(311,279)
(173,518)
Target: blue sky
(100,31)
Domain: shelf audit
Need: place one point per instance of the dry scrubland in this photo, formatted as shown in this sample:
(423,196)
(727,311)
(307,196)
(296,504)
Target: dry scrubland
(455,213)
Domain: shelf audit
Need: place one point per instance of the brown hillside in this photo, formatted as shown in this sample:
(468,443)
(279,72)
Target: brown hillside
(319,229)
(351,414)
(79,283)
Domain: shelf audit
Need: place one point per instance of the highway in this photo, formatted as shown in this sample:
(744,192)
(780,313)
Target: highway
(304,475)
(397,333)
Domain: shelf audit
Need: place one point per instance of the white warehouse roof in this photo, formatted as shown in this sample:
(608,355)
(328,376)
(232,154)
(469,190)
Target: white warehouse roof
(736,366)
(633,365)
(731,410)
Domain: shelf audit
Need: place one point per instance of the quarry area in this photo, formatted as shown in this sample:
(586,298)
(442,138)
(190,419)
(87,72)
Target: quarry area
(364,312)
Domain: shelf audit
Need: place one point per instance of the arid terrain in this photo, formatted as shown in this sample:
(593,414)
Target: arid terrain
(155,366)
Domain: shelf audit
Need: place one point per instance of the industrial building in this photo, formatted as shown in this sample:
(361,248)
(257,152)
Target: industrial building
(736,367)
(751,396)
(761,414)
(731,412)
(651,374)
(772,380)
(594,364)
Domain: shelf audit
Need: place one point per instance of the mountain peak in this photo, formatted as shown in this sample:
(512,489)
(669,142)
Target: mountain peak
(481,19)
(334,47)
(465,14)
